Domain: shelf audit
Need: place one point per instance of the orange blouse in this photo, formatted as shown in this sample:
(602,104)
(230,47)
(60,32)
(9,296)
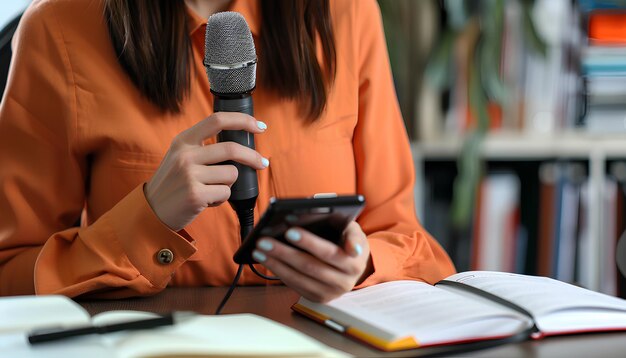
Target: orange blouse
(78,141)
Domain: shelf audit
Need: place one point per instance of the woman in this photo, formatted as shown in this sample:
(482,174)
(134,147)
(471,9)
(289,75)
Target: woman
(109,186)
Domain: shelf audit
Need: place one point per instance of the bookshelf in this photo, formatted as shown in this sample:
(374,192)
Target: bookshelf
(596,151)
(555,102)
(511,145)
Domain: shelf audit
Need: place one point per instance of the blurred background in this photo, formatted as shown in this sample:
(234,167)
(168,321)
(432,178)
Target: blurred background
(516,110)
(517,114)
(9,9)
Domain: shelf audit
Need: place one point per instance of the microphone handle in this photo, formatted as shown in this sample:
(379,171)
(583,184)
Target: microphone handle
(246,187)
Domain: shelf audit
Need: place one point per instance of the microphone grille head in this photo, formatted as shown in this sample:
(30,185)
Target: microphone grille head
(229,54)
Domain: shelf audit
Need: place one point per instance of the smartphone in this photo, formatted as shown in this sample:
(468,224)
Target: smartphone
(326,217)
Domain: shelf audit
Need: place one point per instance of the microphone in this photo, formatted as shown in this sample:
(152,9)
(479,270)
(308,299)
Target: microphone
(230,62)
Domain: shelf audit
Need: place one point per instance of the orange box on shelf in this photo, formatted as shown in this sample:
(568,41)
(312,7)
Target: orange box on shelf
(607,28)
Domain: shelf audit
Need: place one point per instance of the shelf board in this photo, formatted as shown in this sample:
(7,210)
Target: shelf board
(516,146)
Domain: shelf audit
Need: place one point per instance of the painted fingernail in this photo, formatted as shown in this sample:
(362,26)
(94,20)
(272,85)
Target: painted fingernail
(293,235)
(262,126)
(358,249)
(265,162)
(265,245)
(259,256)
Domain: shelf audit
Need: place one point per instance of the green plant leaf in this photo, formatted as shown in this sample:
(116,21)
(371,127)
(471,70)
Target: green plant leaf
(457,13)
(469,163)
(469,167)
(477,97)
(492,17)
(490,78)
(490,51)
(396,38)
(437,70)
(530,31)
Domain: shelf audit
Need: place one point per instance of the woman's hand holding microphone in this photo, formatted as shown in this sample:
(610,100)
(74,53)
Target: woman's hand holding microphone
(189,179)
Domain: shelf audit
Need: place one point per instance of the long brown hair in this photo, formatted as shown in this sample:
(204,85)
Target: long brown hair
(152,43)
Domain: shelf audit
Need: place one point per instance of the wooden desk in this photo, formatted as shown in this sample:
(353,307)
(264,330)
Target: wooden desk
(275,302)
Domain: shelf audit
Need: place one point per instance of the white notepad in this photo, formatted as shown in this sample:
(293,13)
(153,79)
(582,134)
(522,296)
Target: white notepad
(200,336)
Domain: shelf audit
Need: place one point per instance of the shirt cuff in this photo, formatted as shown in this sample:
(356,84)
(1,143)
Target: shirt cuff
(153,248)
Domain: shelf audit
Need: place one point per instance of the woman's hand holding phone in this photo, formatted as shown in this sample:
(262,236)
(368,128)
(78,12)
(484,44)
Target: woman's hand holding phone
(321,270)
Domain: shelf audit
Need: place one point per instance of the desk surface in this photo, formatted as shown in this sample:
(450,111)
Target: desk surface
(275,303)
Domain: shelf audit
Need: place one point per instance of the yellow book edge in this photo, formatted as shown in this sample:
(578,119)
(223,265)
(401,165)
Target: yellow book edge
(395,345)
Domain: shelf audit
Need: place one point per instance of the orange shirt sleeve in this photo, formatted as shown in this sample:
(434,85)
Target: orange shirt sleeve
(400,247)
(43,183)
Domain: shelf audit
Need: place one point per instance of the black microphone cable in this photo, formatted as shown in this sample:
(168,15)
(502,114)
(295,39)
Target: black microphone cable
(230,290)
(245,214)
(246,221)
(262,275)
(246,224)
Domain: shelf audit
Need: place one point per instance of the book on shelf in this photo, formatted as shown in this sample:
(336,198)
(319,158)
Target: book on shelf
(466,307)
(614,235)
(568,225)
(197,336)
(618,171)
(547,215)
(496,236)
(608,271)
(563,234)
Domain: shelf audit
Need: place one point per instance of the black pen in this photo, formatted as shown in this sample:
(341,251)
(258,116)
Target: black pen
(54,334)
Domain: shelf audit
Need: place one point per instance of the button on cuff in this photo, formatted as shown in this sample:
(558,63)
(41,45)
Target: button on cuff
(165,256)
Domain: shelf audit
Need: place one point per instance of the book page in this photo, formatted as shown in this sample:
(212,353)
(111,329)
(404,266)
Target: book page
(25,313)
(16,345)
(546,298)
(429,314)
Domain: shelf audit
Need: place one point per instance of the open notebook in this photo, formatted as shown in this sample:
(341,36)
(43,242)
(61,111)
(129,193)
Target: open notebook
(466,307)
(199,336)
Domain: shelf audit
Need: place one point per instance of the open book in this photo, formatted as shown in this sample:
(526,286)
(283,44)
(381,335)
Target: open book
(199,336)
(466,307)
